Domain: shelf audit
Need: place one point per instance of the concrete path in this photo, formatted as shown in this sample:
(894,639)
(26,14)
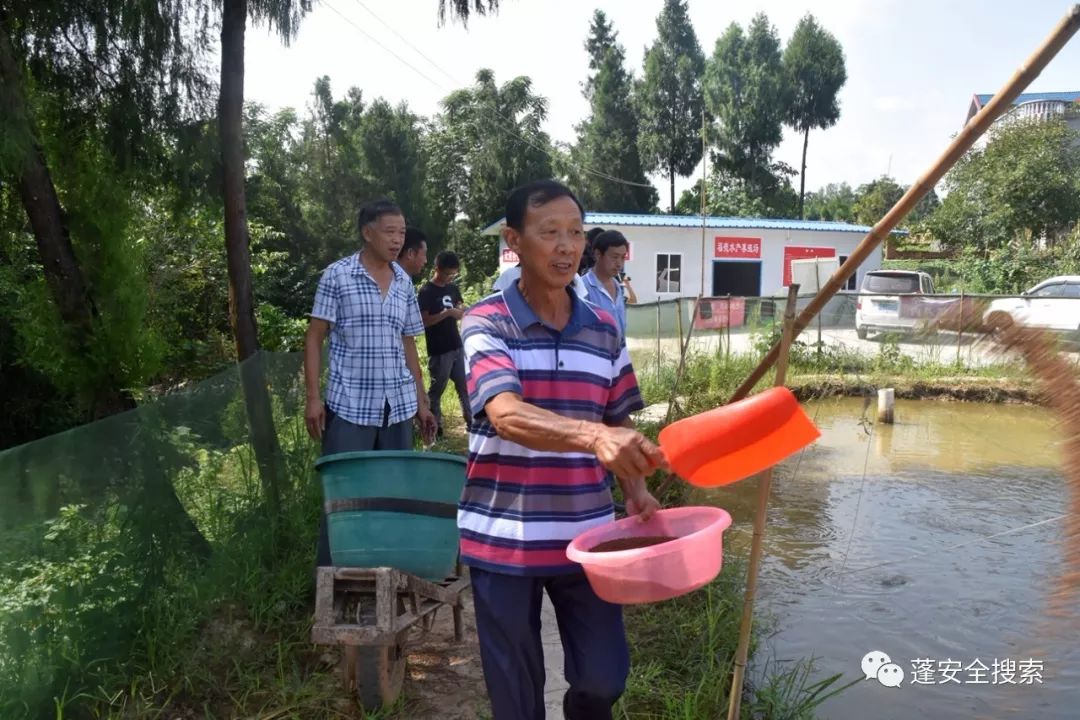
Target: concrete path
(555,684)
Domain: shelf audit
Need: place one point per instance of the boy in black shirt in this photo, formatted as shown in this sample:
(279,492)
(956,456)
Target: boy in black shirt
(441,309)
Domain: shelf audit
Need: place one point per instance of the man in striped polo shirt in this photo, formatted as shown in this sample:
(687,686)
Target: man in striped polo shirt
(551,389)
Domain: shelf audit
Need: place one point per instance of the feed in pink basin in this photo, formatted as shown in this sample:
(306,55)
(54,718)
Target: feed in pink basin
(660,571)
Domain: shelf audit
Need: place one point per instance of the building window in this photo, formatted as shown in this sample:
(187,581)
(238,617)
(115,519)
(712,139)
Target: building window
(853,281)
(668,273)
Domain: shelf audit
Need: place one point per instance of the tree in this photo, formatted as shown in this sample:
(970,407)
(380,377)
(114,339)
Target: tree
(835,201)
(83,84)
(1023,187)
(730,196)
(391,147)
(814,65)
(608,139)
(486,142)
(283,16)
(669,98)
(745,90)
(876,198)
(92,94)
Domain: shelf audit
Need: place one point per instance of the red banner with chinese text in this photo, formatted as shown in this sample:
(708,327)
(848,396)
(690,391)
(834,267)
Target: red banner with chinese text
(737,247)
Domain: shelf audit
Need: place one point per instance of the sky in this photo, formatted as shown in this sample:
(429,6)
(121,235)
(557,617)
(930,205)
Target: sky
(912,66)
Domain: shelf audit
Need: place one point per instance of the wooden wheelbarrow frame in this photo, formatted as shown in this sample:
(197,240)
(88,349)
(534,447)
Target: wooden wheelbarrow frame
(370,612)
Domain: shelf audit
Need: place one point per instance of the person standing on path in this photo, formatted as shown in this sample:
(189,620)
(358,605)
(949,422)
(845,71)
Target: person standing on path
(552,390)
(441,307)
(365,304)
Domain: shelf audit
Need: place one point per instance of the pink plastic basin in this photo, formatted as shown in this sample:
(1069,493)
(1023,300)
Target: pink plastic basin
(657,572)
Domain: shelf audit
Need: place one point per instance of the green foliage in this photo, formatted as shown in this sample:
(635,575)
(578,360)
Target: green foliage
(130,71)
(1023,185)
(875,199)
(729,195)
(835,201)
(486,142)
(669,97)
(683,652)
(608,139)
(746,91)
(60,607)
(478,254)
(814,64)
(105,610)
(102,209)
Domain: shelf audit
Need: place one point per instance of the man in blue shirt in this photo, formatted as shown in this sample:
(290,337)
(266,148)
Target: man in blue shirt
(365,303)
(602,280)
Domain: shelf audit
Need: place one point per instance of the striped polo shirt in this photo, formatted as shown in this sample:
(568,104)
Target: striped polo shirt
(521,507)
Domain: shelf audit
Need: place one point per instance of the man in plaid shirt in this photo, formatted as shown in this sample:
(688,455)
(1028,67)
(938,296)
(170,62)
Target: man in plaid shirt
(365,303)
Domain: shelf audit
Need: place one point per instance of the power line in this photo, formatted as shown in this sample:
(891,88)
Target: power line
(502,123)
(510,127)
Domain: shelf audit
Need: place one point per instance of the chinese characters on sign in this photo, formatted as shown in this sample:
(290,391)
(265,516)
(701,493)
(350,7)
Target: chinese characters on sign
(509,257)
(737,247)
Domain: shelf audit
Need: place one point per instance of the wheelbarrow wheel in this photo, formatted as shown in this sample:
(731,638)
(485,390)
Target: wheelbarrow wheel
(378,672)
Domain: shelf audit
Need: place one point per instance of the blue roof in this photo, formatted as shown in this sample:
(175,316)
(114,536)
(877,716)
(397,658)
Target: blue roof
(1034,97)
(694,221)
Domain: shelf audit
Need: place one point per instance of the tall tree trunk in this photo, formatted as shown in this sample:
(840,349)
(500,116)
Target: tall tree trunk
(65,280)
(802,175)
(238,252)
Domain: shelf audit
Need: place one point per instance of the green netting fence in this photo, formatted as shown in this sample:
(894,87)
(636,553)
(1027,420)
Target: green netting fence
(115,537)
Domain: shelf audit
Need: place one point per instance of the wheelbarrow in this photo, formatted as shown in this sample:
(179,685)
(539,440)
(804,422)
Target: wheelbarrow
(392,525)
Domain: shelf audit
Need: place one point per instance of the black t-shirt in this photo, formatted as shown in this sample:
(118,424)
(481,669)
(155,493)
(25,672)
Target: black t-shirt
(443,336)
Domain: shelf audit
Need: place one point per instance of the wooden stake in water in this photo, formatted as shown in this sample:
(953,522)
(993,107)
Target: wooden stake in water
(764,487)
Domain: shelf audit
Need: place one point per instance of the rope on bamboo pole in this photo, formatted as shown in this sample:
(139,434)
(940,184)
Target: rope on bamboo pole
(764,487)
(982,121)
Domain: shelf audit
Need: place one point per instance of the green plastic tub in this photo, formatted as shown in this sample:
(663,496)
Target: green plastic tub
(393,509)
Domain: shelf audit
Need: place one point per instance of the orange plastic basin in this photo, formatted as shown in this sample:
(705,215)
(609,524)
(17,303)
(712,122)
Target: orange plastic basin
(735,441)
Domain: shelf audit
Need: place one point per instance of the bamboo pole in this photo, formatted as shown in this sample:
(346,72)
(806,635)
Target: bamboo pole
(979,124)
(764,487)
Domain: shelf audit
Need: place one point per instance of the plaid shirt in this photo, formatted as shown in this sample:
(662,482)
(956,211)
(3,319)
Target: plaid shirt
(367,359)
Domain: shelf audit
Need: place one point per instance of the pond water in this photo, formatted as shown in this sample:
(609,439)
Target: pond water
(877,542)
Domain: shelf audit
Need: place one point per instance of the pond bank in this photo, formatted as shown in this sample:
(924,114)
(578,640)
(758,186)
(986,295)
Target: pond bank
(1020,389)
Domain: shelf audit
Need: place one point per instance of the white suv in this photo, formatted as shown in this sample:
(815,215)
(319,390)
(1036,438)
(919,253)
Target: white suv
(1053,304)
(877,308)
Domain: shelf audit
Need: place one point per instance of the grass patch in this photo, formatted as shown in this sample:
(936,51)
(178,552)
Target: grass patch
(682,658)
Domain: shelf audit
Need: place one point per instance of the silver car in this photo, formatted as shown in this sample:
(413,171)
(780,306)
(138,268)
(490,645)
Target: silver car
(879,306)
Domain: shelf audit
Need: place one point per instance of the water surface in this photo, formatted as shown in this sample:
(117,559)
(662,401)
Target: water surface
(877,540)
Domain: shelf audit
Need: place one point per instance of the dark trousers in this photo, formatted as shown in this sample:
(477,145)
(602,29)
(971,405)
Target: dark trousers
(343,436)
(444,367)
(596,657)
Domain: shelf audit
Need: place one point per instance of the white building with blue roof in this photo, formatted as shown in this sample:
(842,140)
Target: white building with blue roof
(1033,106)
(680,256)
